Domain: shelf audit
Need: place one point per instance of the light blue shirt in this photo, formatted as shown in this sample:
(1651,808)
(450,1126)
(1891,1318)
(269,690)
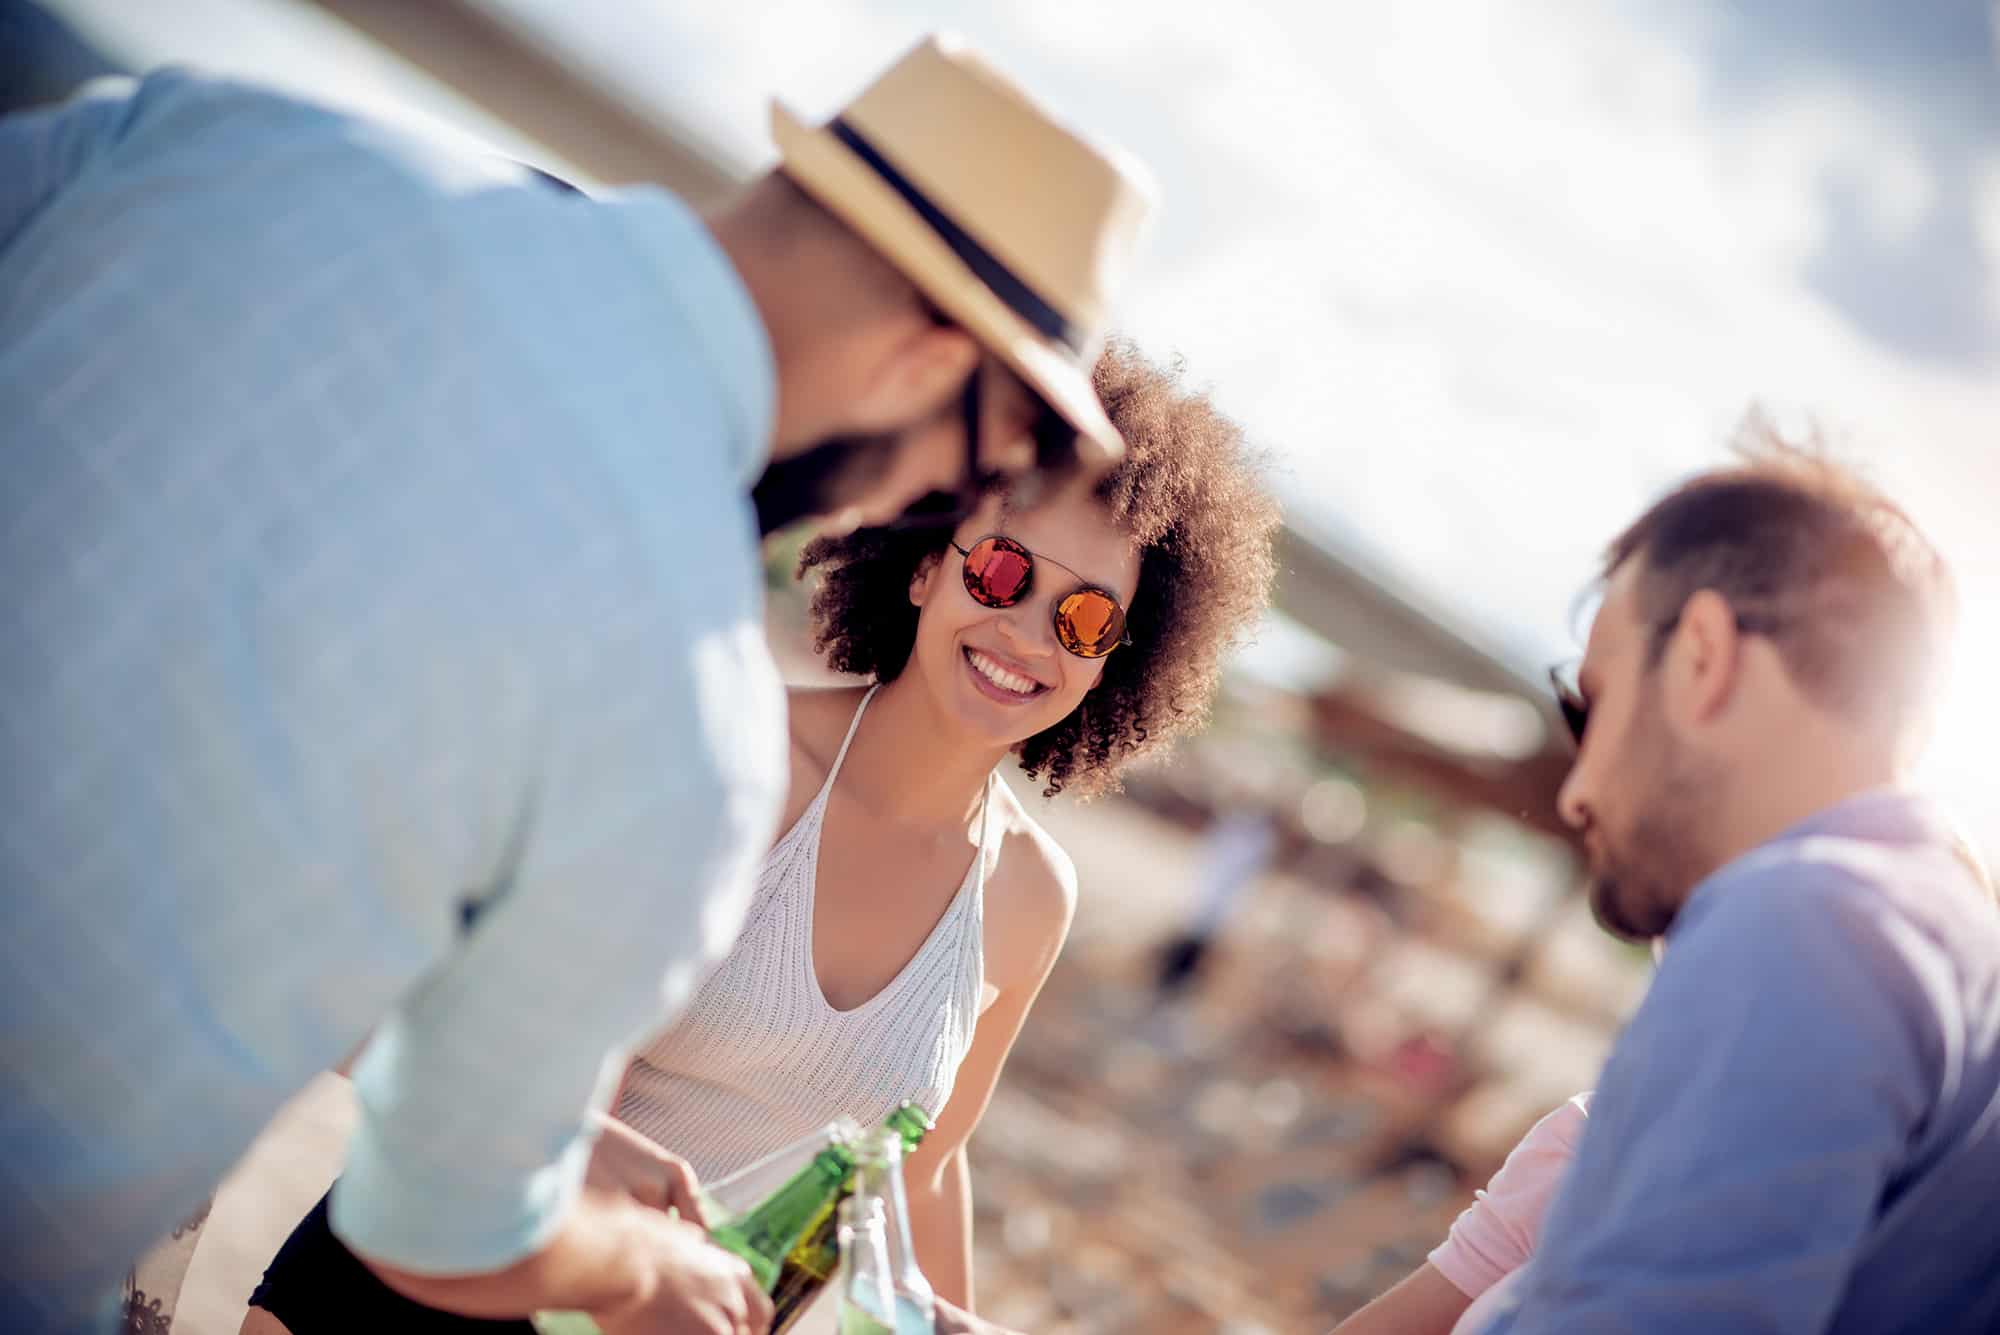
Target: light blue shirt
(1800,1129)
(380,649)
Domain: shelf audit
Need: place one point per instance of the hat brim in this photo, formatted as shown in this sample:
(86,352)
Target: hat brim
(841,182)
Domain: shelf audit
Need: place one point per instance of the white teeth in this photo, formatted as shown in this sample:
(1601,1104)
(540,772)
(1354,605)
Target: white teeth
(1001,677)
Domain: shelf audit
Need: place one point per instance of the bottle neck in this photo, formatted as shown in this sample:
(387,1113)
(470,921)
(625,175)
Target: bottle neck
(882,1176)
(911,1124)
(864,1256)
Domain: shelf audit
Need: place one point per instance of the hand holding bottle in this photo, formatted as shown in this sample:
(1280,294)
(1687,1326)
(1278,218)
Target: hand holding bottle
(623,1160)
(699,1288)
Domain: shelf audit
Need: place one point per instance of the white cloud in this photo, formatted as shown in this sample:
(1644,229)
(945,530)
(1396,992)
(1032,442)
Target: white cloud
(1986,214)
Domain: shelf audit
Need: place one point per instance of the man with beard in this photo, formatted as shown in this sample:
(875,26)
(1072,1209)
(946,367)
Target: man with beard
(1800,1129)
(383,641)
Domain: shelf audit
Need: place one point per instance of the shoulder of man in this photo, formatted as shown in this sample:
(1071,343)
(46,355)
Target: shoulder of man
(1917,893)
(1816,927)
(184,109)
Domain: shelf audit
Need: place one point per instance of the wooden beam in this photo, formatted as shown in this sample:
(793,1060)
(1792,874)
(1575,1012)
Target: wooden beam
(1522,790)
(514,78)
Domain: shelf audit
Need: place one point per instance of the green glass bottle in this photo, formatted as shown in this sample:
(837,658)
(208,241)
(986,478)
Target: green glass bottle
(730,1201)
(564,1323)
(911,1123)
(812,1261)
(734,1195)
(766,1237)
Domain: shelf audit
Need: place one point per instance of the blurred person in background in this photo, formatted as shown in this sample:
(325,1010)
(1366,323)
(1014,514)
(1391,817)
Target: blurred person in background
(384,619)
(905,921)
(1242,842)
(1799,1130)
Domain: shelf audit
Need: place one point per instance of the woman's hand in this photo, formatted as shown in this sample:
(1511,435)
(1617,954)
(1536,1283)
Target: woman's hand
(628,1162)
(956,1321)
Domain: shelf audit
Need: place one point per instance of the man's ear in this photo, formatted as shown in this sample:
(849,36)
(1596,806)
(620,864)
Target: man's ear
(1708,657)
(916,372)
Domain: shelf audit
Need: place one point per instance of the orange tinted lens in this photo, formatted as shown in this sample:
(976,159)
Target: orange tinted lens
(1089,623)
(997,572)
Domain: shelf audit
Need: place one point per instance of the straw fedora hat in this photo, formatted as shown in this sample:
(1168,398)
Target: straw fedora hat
(1013,225)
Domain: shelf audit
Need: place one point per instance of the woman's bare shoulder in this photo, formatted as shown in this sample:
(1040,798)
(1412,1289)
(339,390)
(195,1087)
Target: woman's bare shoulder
(1030,897)
(817,719)
(819,715)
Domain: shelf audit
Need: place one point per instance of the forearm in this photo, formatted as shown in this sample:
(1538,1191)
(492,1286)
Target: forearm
(1424,1303)
(941,1218)
(598,1261)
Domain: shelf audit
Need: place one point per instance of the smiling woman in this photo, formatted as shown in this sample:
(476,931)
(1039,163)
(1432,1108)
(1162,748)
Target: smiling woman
(1075,636)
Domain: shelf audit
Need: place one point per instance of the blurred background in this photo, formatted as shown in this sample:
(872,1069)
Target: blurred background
(1483,278)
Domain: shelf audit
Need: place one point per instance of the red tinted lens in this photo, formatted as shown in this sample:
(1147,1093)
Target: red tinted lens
(1089,623)
(998,571)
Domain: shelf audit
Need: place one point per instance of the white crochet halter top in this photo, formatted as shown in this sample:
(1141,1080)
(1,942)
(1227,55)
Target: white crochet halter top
(760,1059)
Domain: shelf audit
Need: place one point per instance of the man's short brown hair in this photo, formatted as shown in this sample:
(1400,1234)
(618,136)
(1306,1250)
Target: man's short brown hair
(1860,605)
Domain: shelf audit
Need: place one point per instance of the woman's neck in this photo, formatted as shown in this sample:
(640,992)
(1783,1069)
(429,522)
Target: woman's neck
(914,766)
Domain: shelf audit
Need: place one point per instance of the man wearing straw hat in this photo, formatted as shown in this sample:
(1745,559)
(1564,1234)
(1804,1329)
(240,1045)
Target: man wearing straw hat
(382,642)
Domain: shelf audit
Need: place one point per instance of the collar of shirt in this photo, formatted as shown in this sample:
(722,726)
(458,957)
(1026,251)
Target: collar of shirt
(1890,816)
(1881,816)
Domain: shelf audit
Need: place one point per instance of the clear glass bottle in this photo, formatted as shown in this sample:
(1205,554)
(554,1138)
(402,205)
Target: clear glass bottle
(882,1174)
(867,1294)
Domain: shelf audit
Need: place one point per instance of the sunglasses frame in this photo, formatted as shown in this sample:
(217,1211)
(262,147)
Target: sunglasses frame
(1056,611)
(1054,438)
(1574,705)
(1571,702)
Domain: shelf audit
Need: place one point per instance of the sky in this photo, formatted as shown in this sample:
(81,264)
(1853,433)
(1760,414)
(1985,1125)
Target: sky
(1484,277)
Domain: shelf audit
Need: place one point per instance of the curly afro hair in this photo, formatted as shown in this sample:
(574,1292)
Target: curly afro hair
(1190,494)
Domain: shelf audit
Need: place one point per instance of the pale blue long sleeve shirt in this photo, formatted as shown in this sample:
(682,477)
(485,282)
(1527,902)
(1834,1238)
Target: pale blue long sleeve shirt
(1800,1129)
(380,650)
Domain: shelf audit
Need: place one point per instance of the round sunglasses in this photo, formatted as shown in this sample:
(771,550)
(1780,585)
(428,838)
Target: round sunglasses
(999,572)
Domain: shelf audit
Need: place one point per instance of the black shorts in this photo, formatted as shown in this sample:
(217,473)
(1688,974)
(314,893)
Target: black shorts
(318,1287)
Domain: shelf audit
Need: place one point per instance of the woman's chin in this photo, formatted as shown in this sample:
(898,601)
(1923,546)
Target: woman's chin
(983,719)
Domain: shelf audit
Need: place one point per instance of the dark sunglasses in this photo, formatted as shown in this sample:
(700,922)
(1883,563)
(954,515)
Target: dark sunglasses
(1055,457)
(1574,705)
(999,572)
(1571,702)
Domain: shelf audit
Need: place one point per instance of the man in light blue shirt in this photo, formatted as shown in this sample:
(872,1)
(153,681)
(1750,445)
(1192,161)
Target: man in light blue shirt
(1800,1129)
(381,645)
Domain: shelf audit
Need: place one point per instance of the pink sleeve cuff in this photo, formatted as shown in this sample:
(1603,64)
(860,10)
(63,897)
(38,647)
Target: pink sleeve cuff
(1496,1233)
